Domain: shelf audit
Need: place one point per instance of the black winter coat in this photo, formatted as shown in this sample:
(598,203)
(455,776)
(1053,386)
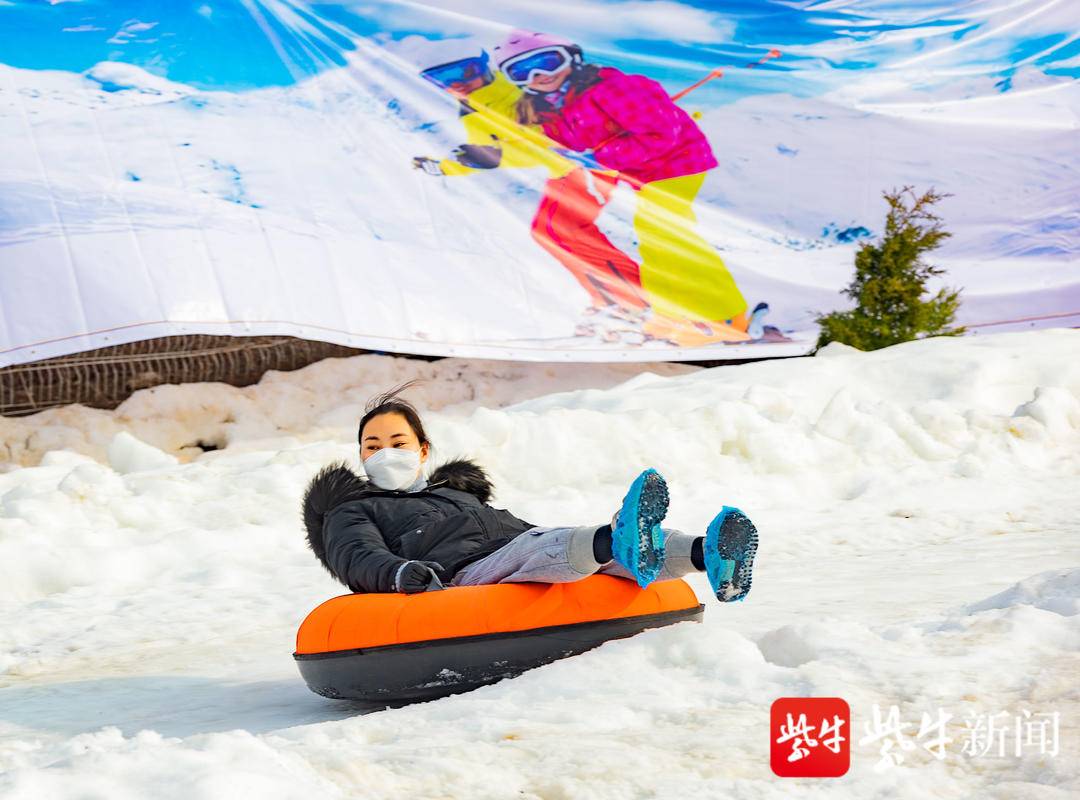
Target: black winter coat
(363,534)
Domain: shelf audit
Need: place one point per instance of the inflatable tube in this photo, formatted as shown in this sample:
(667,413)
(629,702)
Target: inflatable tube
(395,648)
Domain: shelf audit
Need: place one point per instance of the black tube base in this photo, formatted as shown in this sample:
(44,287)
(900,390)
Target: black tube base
(407,673)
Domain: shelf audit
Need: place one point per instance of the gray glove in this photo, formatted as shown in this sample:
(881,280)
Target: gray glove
(413,577)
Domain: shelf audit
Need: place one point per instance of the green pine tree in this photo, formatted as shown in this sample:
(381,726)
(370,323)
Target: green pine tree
(890,281)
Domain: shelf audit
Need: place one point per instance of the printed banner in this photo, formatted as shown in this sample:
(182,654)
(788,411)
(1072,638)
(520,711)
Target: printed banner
(589,180)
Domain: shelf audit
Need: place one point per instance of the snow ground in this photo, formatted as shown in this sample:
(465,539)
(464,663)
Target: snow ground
(320,401)
(918,511)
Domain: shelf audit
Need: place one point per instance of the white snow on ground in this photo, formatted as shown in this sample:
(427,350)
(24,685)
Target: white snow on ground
(918,509)
(322,400)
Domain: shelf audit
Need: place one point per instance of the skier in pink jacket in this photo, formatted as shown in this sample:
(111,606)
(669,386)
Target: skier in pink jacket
(629,124)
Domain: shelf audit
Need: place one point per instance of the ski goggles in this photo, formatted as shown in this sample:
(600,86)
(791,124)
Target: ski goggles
(549,61)
(463,71)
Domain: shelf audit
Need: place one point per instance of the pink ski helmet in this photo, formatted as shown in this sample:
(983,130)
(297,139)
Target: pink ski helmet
(519,44)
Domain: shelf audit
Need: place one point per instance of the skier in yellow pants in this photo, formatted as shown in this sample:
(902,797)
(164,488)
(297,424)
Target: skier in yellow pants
(572,199)
(629,124)
(683,273)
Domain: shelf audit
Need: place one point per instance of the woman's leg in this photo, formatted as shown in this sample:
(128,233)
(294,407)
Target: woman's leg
(683,273)
(540,555)
(678,558)
(565,226)
(564,555)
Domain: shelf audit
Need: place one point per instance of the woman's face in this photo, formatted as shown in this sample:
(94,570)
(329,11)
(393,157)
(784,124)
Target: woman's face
(390,430)
(549,83)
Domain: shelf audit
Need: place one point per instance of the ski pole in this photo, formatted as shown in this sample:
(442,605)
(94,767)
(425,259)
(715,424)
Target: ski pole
(719,73)
(716,73)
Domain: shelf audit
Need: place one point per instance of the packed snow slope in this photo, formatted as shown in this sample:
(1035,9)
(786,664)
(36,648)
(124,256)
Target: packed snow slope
(287,408)
(918,509)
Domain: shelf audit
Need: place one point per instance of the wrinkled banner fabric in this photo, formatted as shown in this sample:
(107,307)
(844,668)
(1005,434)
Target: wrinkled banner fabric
(584,181)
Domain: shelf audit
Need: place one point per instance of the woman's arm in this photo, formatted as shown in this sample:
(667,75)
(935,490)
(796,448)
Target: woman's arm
(357,552)
(650,121)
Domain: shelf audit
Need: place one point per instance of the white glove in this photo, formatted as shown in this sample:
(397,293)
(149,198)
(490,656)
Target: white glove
(428,165)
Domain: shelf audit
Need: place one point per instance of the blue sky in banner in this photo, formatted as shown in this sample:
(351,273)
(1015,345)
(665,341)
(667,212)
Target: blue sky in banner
(244,44)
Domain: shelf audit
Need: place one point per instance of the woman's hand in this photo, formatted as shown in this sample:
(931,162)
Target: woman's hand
(478,156)
(428,165)
(417,576)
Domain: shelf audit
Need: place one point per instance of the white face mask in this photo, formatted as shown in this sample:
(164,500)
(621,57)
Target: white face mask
(393,468)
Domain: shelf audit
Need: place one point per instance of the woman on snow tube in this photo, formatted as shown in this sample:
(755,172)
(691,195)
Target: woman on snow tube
(399,532)
(629,124)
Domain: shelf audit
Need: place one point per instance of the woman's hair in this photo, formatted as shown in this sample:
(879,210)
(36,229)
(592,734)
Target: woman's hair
(389,403)
(531,108)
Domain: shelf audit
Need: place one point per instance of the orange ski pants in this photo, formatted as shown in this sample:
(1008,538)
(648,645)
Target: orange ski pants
(565,226)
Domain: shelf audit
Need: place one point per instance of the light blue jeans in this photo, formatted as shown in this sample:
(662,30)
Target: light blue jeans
(564,555)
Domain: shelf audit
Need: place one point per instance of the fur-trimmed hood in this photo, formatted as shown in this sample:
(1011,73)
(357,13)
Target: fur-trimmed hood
(337,483)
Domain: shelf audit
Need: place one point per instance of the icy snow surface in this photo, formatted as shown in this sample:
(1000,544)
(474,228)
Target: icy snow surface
(918,509)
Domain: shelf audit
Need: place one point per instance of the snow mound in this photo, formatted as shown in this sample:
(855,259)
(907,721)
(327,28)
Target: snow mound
(116,76)
(318,402)
(128,454)
(789,646)
(1057,409)
(1056,590)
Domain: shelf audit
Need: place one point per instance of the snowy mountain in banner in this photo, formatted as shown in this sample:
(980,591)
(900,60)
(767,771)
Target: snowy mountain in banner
(117,174)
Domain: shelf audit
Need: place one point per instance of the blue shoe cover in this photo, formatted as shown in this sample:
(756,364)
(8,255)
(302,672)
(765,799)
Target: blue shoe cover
(637,541)
(730,546)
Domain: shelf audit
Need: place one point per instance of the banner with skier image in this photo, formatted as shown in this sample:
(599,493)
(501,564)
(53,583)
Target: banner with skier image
(595,180)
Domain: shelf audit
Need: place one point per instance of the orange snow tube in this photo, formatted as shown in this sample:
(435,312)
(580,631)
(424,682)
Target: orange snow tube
(396,648)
